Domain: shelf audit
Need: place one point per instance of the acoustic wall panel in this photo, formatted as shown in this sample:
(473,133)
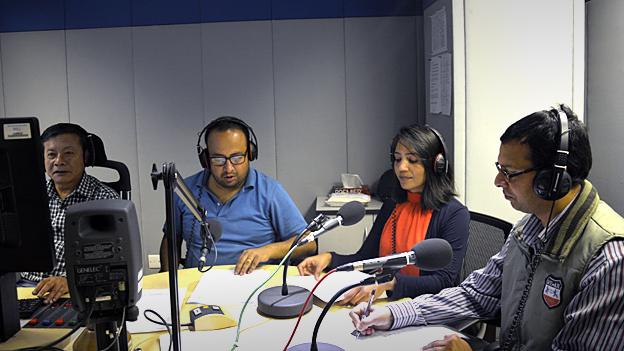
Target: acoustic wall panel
(2,112)
(238,80)
(101,94)
(169,111)
(510,72)
(381,89)
(310,107)
(605,83)
(34,76)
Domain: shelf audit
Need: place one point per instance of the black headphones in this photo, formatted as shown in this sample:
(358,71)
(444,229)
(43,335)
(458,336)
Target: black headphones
(555,182)
(440,163)
(89,150)
(252,141)
(86,141)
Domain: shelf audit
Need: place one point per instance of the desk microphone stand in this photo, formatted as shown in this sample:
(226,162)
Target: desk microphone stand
(314,346)
(286,301)
(173,183)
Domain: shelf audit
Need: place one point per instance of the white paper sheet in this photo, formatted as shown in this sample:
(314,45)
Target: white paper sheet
(438,31)
(446,81)
(330,285)
(157,300)
(435,101)
(222,287)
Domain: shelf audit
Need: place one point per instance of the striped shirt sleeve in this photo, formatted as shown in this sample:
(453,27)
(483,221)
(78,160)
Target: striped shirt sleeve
(477,297)
(593,319)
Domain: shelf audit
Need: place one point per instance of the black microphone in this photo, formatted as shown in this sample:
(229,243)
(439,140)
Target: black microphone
(349,214)
(428,255)
(211,228)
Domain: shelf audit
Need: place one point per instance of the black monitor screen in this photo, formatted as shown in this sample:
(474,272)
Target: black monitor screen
(26,241)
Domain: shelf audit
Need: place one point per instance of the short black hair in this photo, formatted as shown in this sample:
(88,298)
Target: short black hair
(66,128)
(541,132)
(224,123)
(439,188)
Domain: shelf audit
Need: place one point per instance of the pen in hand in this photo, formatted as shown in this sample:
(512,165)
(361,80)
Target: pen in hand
(357,333)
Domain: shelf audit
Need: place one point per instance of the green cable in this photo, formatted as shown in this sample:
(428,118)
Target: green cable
(240,317)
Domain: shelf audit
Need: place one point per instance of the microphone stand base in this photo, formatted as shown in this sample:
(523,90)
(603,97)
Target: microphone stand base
(272,303)
(321,346)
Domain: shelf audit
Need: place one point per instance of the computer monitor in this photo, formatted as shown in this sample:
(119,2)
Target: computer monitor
(26,237)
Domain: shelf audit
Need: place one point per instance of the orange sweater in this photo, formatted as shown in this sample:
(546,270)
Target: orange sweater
(411,227)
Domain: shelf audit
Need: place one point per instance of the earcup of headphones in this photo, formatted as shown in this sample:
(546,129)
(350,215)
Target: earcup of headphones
(439,164)
(543,184)
(89,152)
(202,154)
(253,151)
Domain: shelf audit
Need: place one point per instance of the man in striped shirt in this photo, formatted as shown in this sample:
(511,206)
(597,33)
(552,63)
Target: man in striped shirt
(558,281)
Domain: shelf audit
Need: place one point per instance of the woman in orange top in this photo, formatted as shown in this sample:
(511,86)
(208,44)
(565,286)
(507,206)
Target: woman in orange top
(423,206)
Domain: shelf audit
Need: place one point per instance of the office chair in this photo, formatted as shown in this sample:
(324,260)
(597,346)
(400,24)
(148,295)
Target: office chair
(486,236)
(387,185)
(99,159)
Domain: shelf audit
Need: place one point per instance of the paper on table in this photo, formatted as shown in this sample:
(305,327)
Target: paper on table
(416,337)
(214,340)
(220,287)
(330,286)
(157,300)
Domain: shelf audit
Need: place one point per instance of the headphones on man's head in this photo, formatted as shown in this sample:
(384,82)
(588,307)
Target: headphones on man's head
(86,141)
(252,141)
(440,163)
(555,182)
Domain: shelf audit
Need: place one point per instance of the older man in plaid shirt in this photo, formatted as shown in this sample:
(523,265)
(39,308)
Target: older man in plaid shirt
(65,152)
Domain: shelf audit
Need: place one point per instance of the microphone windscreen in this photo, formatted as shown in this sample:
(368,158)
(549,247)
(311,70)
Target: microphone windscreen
(215,229)
(432,254)
(351,212)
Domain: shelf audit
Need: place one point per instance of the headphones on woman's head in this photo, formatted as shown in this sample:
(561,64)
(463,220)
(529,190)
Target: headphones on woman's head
(555,182)
(252,141)
(440,163)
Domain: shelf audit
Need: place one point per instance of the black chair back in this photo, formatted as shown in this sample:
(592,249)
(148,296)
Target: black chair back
(99,159)
(486,237)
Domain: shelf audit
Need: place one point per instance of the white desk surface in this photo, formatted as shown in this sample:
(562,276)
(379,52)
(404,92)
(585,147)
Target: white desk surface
(372,207)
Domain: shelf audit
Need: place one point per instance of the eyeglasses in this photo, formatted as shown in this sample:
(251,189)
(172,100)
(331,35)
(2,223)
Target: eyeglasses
(509,175)
(235,159)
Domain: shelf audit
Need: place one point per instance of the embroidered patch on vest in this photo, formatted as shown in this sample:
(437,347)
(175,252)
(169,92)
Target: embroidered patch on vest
(553,287)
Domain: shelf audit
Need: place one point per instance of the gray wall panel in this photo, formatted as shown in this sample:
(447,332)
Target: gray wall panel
(310,107)
(101,94)
(169,111)
(381,89)
(605,83)
(2,112)
(238,80)
(35,79)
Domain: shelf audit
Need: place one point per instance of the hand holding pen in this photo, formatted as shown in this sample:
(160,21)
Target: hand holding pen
(367,319)
(356,332)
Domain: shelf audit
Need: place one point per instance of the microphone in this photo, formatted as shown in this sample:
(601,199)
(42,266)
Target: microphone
(349,214)
(428,255)
(211,228)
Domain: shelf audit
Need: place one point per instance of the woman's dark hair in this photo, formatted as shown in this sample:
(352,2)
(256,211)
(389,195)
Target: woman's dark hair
(66,128)
(541,132)
(439,188)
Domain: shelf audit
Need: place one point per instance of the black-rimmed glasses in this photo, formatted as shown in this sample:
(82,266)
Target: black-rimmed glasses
(235,159)
(509,175)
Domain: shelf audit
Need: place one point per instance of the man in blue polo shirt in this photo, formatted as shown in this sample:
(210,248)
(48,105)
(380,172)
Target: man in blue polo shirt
(259,220)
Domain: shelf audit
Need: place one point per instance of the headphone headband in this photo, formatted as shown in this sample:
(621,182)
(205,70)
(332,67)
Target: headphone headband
(252,141)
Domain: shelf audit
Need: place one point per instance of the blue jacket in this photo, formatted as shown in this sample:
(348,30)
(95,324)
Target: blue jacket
(450,222)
